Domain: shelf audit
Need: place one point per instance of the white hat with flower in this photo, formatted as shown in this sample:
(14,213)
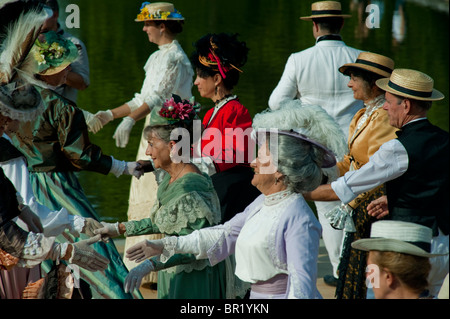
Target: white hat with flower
(158,11)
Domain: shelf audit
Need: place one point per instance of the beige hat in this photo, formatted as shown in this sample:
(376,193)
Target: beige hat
(411,84)
(372,62)
(326,9)
(398,236)
(158,11)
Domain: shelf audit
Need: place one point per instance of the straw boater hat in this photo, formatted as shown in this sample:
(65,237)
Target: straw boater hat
(411,84)
(398,236)
(372,62)
(158,11)
(326,9)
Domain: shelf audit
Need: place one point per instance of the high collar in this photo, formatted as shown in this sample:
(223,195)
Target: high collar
(168,45)
(329,37)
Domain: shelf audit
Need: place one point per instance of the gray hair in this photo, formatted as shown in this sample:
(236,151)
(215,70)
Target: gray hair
(299,162)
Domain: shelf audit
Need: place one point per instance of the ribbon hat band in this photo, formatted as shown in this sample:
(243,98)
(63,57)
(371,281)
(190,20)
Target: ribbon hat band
(399,88)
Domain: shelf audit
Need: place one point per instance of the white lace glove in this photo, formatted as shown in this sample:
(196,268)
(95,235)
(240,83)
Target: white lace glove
(86,257)
(90,225)
(122,134)
(134,278)
(108,230)
(144,250)
(93,123)
(30,219)
(105,116)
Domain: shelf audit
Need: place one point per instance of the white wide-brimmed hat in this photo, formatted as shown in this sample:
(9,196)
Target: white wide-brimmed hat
(326,9)
(411,84)
(398,236)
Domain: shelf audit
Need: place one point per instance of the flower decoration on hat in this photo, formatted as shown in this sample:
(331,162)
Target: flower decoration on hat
(214,62)
(179,111)
(52,53)
(158,14)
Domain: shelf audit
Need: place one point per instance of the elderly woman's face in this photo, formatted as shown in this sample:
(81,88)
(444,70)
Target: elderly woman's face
(360,88)
(265,170)
(159,151)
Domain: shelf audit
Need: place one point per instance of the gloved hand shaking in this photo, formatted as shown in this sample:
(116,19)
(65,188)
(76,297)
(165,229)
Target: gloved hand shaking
(93,123)
(108,230)
(105,116)
(90,225)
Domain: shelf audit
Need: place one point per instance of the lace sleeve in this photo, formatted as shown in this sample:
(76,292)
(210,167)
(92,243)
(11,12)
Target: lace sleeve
(170,80)
(186,210)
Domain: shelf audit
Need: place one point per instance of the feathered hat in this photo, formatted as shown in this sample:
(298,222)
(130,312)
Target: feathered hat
(20,25)
(309,120)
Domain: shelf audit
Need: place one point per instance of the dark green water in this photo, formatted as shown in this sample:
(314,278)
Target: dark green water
(118,50)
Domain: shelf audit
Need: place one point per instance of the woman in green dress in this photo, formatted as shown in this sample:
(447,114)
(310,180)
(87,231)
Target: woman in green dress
(186,201)
(56,145)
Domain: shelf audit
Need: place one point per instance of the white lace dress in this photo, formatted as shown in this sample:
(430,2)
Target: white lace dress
(168,70)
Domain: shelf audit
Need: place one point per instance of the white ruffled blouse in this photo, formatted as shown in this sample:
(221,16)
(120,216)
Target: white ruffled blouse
(167,71)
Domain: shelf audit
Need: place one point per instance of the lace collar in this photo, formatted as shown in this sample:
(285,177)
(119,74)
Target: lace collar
(371,107)
(277,198)
(168,45)
(374,104)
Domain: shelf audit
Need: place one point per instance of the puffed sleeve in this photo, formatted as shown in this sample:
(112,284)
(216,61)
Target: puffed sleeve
(73,137)
(302,238)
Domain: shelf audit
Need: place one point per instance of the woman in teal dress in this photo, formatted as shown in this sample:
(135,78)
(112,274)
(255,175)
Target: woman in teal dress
(186,201)
(56,146)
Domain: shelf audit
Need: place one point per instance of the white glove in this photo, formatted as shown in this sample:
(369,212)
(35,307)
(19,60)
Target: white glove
(144,250)
(93,123)
(134,278)
(134,169)
(108,230)
(90,225)
(30,219)
(105,116)
(122,134)
(86,257)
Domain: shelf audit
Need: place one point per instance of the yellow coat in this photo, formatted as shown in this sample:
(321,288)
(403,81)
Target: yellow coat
(375,132)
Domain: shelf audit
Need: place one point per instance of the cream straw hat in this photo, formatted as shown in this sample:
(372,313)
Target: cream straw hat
(371,62)
(411,84)
(326,9)
(158,11)
(398,236)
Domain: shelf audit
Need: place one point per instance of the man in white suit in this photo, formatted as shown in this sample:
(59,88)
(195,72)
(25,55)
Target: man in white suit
(312,76)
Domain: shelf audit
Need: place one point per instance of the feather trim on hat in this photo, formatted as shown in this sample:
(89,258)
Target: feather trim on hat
(20,37)
(310,120)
